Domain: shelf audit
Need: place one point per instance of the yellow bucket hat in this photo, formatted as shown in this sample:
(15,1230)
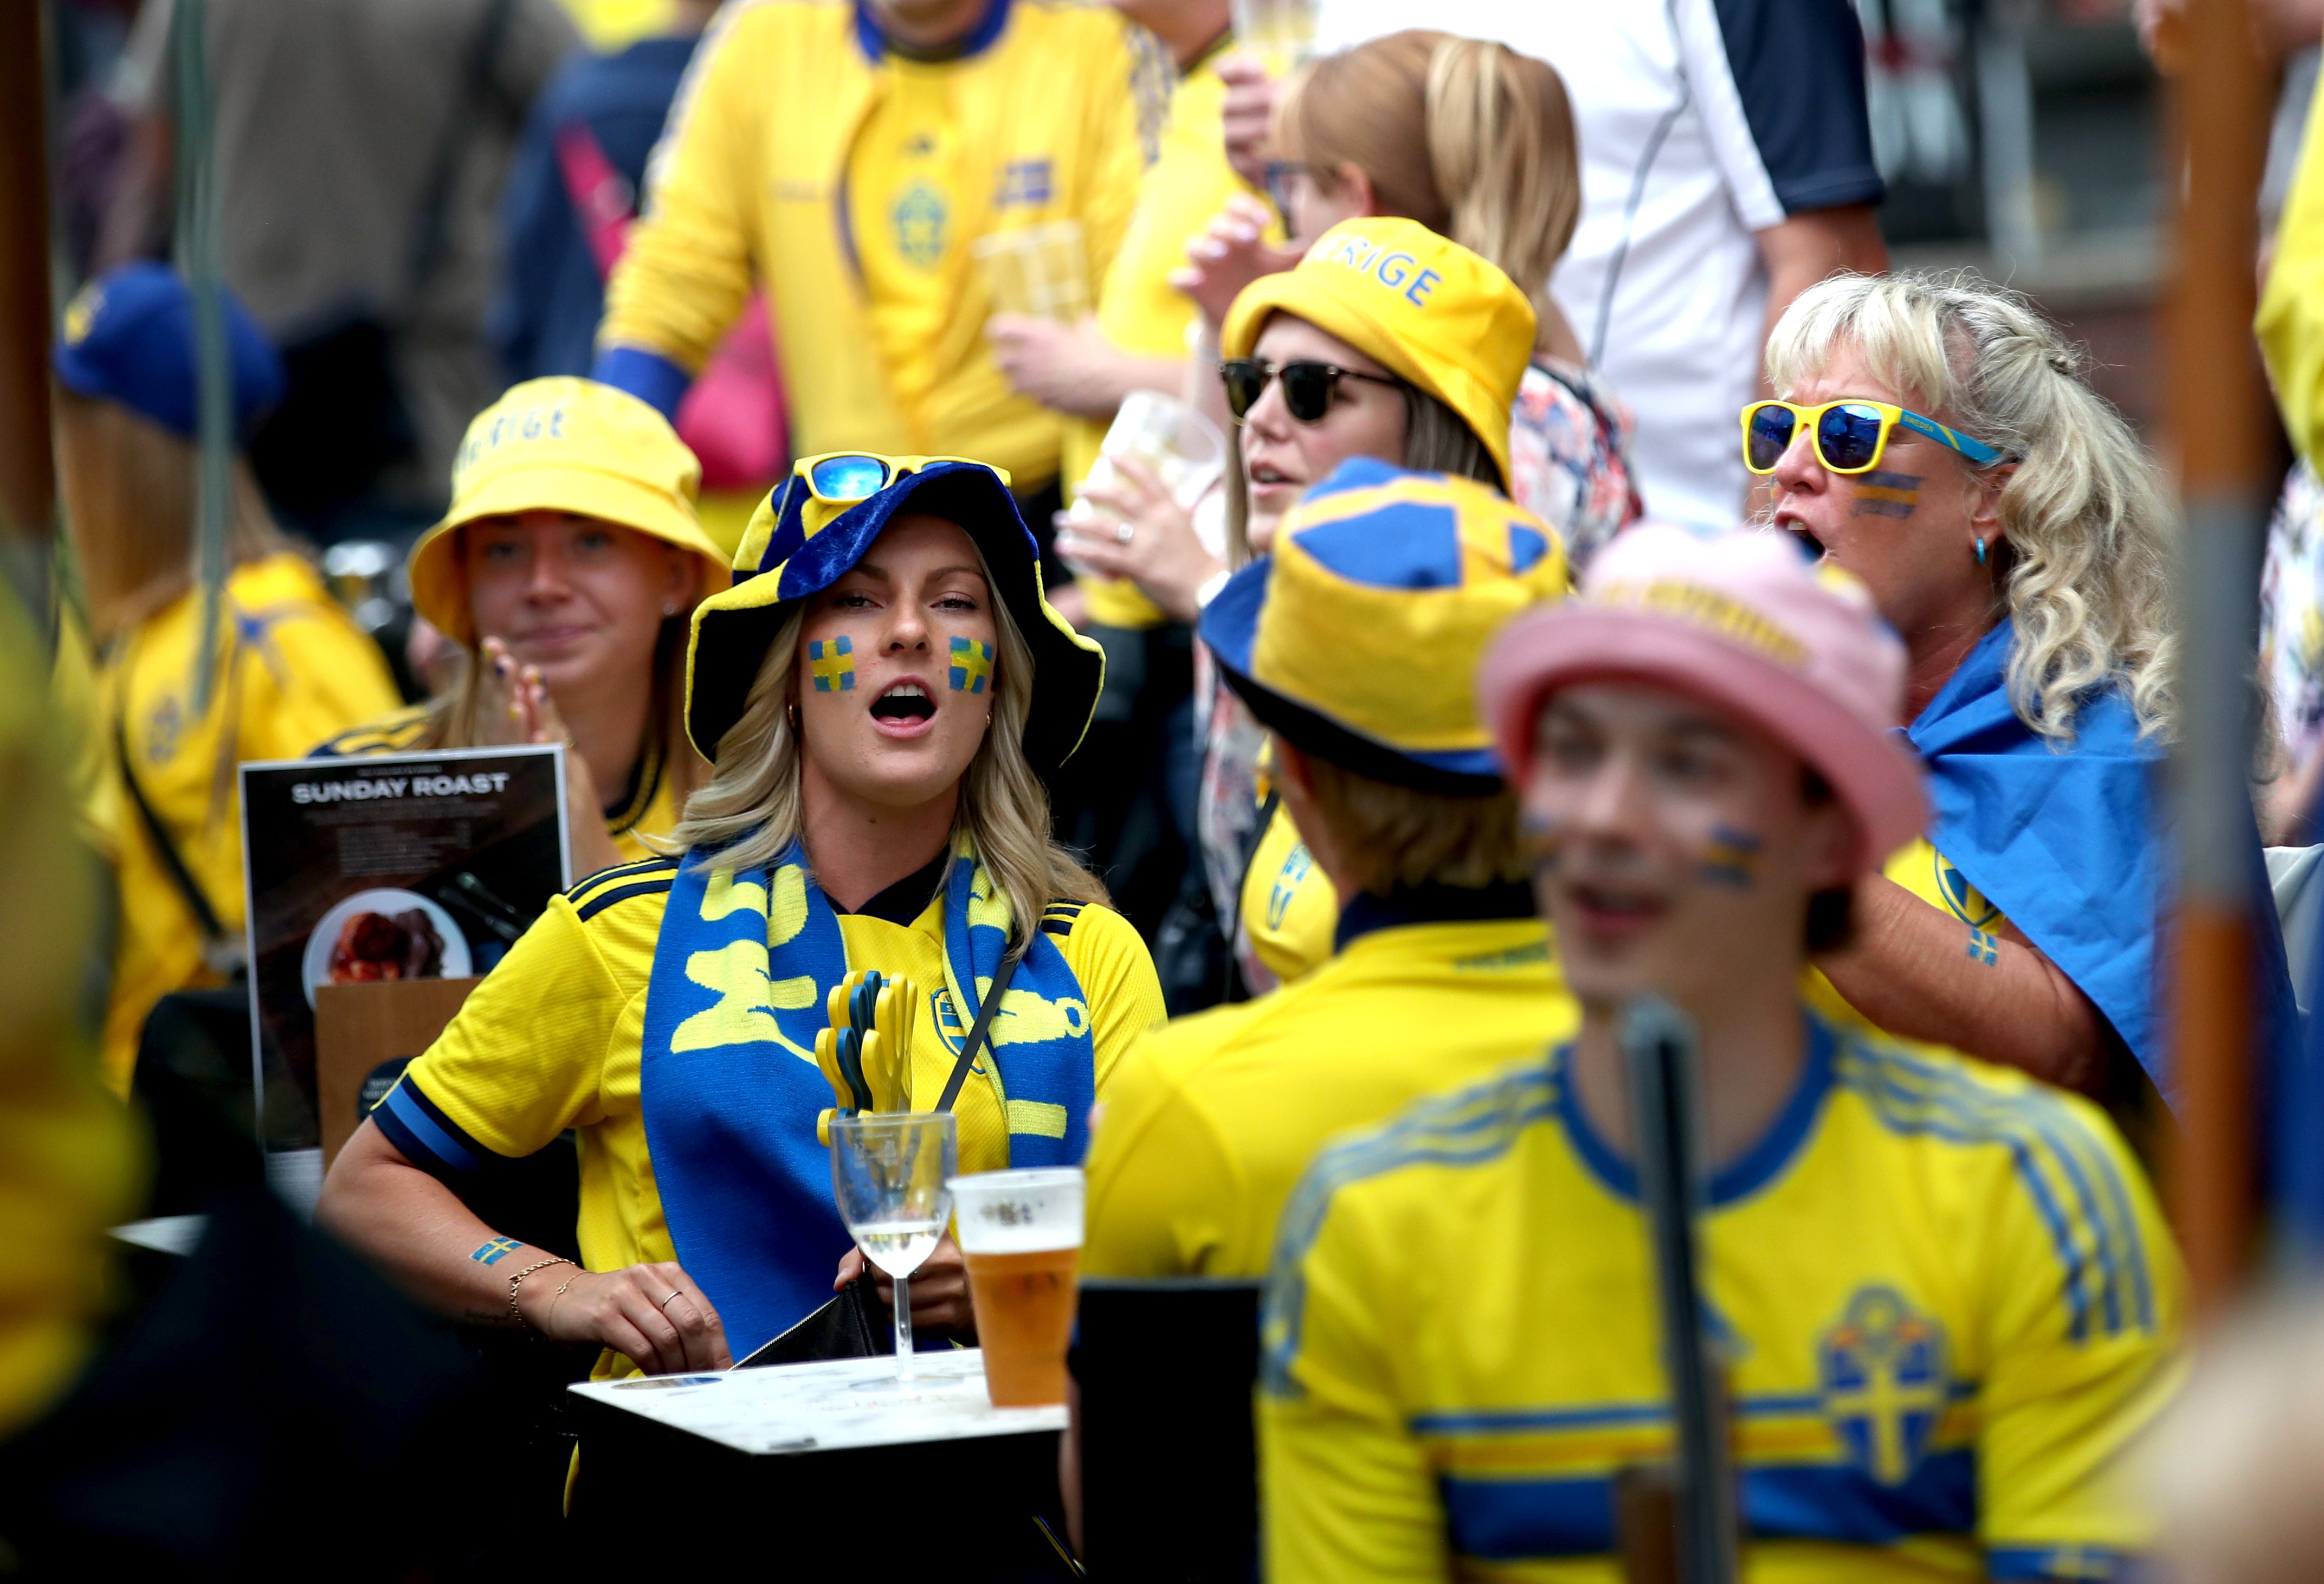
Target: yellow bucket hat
(563,445)
(1426,309)
(1357,639)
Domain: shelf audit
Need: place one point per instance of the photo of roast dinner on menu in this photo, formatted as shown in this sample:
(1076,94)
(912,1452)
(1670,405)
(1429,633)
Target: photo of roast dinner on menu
(403,877)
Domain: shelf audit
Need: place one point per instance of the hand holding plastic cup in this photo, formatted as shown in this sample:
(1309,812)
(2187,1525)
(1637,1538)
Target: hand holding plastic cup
(1185,450)
(1280,32)
(1021,1234)
(1037,270)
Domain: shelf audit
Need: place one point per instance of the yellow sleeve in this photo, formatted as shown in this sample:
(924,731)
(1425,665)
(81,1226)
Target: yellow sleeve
(684,276)
(1289,912)
(524,1058)
(2085,1351)
(1346,1491)
(2290,322)
(318,675)
(1159,1176)
(1117,981)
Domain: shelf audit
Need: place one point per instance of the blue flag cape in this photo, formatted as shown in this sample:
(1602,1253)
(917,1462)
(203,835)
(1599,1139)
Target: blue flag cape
(2065,842)
(730,1089)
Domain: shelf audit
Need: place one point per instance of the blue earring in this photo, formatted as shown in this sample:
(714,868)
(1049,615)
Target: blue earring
(1980,549)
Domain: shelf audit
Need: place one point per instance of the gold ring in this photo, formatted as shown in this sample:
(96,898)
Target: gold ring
(674,1293)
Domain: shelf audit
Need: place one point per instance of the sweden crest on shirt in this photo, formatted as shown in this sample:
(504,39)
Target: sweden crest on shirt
(922,221)
(1881,1371)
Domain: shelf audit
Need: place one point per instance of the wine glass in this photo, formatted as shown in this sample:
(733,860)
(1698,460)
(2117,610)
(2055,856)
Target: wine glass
(889,1172)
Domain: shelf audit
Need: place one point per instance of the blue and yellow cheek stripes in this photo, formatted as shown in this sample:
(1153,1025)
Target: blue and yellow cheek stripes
(971,665)
(832,662)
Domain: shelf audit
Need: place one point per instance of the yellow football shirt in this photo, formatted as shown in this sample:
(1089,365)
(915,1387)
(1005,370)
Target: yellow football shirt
(1948,1298)
(650,809)
(1138,308)
(292,670)
(1289,910)
(790,164)
(1212,1121)
(552,1038)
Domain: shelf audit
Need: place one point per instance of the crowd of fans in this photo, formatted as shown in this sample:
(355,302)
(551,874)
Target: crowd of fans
(1614,582)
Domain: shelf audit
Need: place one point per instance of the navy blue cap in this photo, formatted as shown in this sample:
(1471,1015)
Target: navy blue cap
(129,338)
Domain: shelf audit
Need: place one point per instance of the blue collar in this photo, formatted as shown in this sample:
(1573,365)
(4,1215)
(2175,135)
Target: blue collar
(1431,904)
(876,44)
(1745,1175)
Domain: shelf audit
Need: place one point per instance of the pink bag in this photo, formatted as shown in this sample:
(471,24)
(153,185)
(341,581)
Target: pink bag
(732,417)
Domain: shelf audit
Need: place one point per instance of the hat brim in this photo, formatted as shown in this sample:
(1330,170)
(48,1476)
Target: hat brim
(1876,777)
(1230,628)
(439,584)
(732,630)
(1302,297)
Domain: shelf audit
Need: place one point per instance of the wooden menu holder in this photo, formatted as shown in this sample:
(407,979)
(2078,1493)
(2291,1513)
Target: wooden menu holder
(357,1027)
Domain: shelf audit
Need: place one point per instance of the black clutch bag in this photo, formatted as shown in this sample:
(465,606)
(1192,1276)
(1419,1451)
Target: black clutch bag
(851,1326)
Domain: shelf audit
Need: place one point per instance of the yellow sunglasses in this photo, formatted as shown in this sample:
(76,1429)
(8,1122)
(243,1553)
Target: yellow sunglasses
(1849,435)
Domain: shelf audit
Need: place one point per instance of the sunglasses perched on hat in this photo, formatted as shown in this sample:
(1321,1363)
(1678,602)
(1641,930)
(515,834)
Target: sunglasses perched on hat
(1851,436)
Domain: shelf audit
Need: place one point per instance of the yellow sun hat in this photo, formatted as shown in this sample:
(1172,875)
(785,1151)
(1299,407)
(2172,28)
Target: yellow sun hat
(571,445)
(1426,309)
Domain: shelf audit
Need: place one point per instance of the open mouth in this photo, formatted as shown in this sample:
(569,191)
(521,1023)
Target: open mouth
(1800,530)
(904,701)
(1612,910)
(1265,477)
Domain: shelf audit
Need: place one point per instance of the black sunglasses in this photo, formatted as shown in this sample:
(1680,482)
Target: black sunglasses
(1307,386)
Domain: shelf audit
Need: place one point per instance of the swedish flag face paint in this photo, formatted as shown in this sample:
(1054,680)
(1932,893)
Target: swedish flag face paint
(831,662)
(1732,858)
(971,665)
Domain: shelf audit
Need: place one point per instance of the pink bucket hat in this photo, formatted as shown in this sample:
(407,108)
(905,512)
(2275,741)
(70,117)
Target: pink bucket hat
(1744,623)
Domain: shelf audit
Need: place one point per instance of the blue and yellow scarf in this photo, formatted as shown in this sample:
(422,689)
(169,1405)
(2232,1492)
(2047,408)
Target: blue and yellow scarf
(730,1088)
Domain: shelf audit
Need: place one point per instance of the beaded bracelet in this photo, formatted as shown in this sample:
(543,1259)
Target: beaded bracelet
(520,1276)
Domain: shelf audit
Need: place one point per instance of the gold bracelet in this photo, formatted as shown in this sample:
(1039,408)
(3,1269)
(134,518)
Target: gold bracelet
(520,1275)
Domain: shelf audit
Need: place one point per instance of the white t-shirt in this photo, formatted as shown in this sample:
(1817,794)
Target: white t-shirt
(1701,122)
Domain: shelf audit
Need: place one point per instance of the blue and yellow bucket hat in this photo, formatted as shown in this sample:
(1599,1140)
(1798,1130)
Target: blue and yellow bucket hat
(818,522)
(1357,639)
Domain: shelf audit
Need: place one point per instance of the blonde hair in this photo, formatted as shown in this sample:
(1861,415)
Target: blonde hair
(1391,836)
(751,799)
(1469,138)
(455,717)
(129,491)
(2090,534)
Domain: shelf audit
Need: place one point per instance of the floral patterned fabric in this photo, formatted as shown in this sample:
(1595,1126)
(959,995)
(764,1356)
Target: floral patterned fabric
(2291,615)
(1569,456)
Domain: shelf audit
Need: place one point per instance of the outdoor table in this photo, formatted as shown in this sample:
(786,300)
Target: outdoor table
(830,1463)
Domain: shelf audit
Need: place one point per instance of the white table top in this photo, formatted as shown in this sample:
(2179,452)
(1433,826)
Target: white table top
(827,1406)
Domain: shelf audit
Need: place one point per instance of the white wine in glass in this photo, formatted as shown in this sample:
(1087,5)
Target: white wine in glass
(887,1172)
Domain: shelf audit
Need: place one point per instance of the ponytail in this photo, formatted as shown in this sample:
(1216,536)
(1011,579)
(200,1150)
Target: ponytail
(1502,150)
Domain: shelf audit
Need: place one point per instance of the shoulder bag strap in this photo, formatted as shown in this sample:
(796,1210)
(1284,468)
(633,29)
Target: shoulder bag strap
(213,932)
(976,1035)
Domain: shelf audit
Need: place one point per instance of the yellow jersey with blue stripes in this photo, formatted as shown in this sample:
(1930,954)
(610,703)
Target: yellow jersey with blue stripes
(1947,1298)
(648,806)
(551,1039)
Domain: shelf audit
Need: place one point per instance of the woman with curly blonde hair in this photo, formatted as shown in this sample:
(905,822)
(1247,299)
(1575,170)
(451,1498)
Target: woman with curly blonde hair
(1936,440)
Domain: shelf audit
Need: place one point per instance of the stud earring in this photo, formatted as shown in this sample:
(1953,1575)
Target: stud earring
(1980,549)
(670,609)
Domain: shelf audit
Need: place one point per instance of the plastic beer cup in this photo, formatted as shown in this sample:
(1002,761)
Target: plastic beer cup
(1183,448)
(1021,1234)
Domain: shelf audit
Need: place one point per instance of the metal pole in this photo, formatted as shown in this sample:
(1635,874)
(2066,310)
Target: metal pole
(27,471)
(2217,422)
(1658,1046)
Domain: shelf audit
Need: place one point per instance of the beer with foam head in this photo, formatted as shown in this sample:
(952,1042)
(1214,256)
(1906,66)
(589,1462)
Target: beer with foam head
(1020,1236)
